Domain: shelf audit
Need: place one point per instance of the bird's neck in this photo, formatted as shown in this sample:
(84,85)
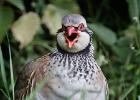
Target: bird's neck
(71,64)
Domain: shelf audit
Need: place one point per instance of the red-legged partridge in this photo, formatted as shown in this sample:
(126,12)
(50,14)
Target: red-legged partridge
(70,71)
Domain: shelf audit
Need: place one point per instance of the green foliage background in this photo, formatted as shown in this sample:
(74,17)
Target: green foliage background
(116,25)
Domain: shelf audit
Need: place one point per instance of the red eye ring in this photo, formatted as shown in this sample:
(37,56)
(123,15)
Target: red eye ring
(81,27)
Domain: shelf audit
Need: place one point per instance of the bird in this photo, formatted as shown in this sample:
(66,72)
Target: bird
(71,70)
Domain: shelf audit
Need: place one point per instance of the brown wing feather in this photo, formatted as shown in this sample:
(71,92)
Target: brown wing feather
(33,72)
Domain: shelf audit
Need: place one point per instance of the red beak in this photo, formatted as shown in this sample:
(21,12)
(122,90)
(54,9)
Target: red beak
(70,30)
(71,36)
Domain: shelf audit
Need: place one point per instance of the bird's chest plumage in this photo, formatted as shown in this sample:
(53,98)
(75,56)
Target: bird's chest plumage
(69,74)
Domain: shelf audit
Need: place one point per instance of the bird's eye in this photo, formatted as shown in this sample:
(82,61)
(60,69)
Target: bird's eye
(81,27)
(63,27)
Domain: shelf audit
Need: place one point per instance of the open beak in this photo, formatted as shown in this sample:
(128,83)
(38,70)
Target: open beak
(71,36)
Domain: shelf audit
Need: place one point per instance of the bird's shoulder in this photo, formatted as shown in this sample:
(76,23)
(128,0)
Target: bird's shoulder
(32,73)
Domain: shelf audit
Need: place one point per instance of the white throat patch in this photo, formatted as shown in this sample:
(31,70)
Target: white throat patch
(82,43)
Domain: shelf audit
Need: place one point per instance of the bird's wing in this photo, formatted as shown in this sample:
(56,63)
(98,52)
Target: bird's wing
(33,72)
(101,86)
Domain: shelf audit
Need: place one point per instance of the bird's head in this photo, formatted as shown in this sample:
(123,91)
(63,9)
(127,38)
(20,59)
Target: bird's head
(73,36)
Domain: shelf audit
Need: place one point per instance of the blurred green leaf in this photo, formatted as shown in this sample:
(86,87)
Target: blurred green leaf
(130,67)
(8,97)
(122,48)
(104,33)
(134,8)
(6,18)
(52,18)
(11,70)
(124,41)
(3,72)
(130,31)
(70,5)
(138,97)
(137,59)
(138,71)
(121,51)
(18,3)
(25,28)
(130,89)
(101,60)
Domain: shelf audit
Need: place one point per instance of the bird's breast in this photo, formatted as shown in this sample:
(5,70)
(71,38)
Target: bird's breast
(71,74)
